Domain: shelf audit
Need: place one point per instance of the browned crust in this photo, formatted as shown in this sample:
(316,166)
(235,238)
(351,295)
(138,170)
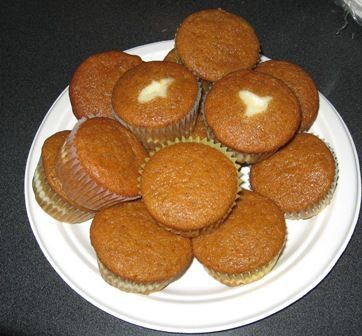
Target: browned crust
(132,246)
(213,43)
(302,85)
(298,176)
(189,186)
(159,112)
(92,83)
(265,132)
(251,237)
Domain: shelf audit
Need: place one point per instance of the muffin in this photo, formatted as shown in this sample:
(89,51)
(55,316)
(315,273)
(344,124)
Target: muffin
(300,83)
(200,128)
(47,188)
(189,187)
(252,113)
(92,83)
(98,164)
(157,101)
(247,245)
(134,253)
(300,178)
(172,56)
(213,43)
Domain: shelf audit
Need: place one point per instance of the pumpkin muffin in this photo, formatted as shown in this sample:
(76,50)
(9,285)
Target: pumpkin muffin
(134,253)
(98,164)
(92,83)
(247,245)
(300,83)
(252,113)
(172,56)
(47,188)
(213,43)
(157,101)
(189,187)
(300,178)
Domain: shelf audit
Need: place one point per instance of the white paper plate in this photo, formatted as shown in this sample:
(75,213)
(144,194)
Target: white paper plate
(196,302)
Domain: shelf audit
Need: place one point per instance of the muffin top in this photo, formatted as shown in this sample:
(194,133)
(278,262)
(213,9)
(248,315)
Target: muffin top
(300,83)
(298,176)
(110,154)
(155,94)
(251,237)
(252,112)
(130,244)
(213,43)
(189,186)
(92,83)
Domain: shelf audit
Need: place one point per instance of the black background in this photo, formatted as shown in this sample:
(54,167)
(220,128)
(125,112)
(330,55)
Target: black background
(41,44)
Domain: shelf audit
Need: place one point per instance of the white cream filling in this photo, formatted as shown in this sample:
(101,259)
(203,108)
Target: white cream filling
(254,104)
(155,89)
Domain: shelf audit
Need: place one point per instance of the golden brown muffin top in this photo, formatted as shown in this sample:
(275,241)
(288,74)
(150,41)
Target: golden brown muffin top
(228,117)
(250,238)
(189,186)
(92,83)
(213,43)
(302,85)
(110,154)
(170,92)
(129,242)
(298,176)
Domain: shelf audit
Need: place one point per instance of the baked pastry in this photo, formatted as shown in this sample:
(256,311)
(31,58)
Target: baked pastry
(189,187)
(300,178)
(252,113)
(172,56)
(247,245)
(213,43)
(134,253)
(47,188)
(98,164)
(302,85)
(92,83)
(200,128)
(157,101)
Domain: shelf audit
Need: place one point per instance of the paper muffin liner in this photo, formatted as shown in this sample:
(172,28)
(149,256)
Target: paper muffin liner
(153,137)
(316,208)
(78,185)
(131,286)
(52,203)
(222,149)
(244,278)
(242,158)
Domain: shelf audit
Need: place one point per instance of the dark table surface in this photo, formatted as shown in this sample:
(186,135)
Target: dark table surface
(41,44)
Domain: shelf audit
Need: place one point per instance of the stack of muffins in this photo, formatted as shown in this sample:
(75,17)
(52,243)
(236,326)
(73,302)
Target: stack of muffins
(155,157)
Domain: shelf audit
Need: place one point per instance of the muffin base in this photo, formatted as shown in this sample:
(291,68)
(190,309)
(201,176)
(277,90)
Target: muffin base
(244,278)
(131,286)
(53,204)
(153,137)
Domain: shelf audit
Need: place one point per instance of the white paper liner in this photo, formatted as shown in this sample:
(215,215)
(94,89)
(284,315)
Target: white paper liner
(131,286)
(222,149)
(52,203)
(153,137)
(78,185)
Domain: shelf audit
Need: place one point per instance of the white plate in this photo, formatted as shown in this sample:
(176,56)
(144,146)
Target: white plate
(196,302)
